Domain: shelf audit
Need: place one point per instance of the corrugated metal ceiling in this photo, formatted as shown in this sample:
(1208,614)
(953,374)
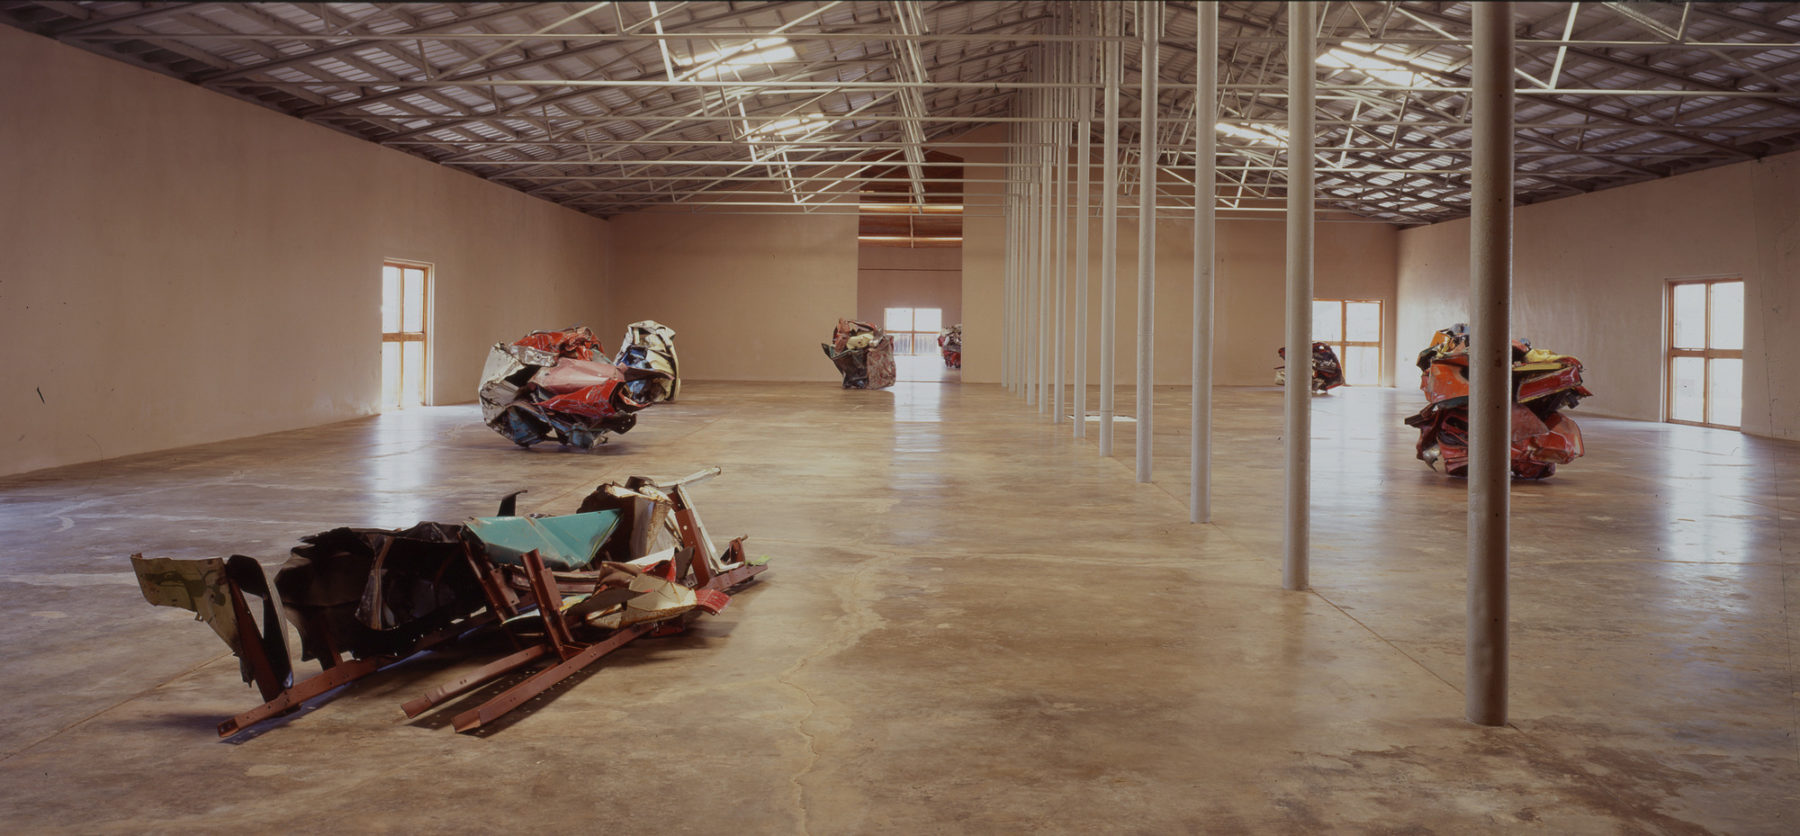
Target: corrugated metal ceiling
(602,106)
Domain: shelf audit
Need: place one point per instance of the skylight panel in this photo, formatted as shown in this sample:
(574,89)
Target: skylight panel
(1272,136)
(1379,62)
(791,126)
(749,55)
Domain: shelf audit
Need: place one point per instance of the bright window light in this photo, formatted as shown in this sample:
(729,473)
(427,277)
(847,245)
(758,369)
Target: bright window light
(912,209)
(742,56)
(791,126)
(928,239)
(1256,134)
(1371,61)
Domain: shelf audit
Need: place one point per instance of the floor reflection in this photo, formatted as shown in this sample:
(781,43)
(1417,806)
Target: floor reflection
(398,479)
(918,368)
(1712,522)
(918,402)
(1353,435)
(918,437)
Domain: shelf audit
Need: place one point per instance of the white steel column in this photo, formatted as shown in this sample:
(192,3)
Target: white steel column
(1059,334)
(1047,251)
(1298,397)
(1018,254)
(1490,363)
(1084,75)
(1019,215)
(1006,285)
(1109,222)
(1032,287)
(1017,177)
(1149,26)
(1012,259)
(1206,116)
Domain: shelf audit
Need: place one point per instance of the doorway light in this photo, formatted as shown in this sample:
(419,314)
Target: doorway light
(912,208)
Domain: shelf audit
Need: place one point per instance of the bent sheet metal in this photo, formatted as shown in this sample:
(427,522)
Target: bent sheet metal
(559,386)
(863,354)
(950,344)
(634,559)
(1327,372)
(1543,384)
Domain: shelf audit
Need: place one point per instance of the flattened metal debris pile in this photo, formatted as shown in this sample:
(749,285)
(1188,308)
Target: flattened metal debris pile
(950,343)
(1543,384)
(559,386)
(634,559)
(650,346)
(863,354)
(1327,372)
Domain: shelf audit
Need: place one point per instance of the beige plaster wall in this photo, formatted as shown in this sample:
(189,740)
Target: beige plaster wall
(1354,260)
(750,296)
(177,266)
(1590,272)
(899,277)
(983,259)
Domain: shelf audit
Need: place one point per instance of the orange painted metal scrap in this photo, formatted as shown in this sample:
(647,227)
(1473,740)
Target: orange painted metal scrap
(1544,384)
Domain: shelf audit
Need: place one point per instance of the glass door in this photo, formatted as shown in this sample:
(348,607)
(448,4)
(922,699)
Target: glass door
(1706,352)
(405,309)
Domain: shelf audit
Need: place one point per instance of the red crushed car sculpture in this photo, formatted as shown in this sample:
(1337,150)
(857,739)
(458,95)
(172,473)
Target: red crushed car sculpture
(1543,383)
(950,343)
(559,386)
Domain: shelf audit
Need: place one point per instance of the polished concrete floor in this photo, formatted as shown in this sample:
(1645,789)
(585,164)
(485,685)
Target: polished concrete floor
(973,624)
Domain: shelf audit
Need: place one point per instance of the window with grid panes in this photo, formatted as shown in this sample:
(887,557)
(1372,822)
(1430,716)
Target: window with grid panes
(1706,352)
(915,330)
(405,311)
(1352,327)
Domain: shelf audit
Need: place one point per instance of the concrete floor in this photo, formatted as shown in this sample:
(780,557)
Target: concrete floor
(972,624)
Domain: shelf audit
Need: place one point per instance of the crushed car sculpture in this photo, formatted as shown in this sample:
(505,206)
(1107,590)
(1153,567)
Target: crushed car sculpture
(1543,384)
(633,560)
(559,386)
(1327,372)
(863,354)
(950,343)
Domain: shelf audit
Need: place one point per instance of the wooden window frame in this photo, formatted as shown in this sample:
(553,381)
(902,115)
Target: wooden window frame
(912,339)
(1707,354)
(1344,342)
(420,336)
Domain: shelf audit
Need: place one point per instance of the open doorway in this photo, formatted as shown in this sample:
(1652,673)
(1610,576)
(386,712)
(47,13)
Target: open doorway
(909,262)
(1706,352)
(915,332)
(405,344)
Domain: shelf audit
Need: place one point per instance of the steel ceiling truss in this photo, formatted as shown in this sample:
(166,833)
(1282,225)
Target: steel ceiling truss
(617,107)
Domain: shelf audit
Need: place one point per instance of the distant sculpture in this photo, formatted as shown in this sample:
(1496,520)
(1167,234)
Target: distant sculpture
(863,354)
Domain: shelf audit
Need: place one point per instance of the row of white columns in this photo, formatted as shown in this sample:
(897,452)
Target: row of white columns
(1037,246)
(1037,280)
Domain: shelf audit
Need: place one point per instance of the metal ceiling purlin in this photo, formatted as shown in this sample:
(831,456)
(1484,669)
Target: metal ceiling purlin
(787,112)
(592,104)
